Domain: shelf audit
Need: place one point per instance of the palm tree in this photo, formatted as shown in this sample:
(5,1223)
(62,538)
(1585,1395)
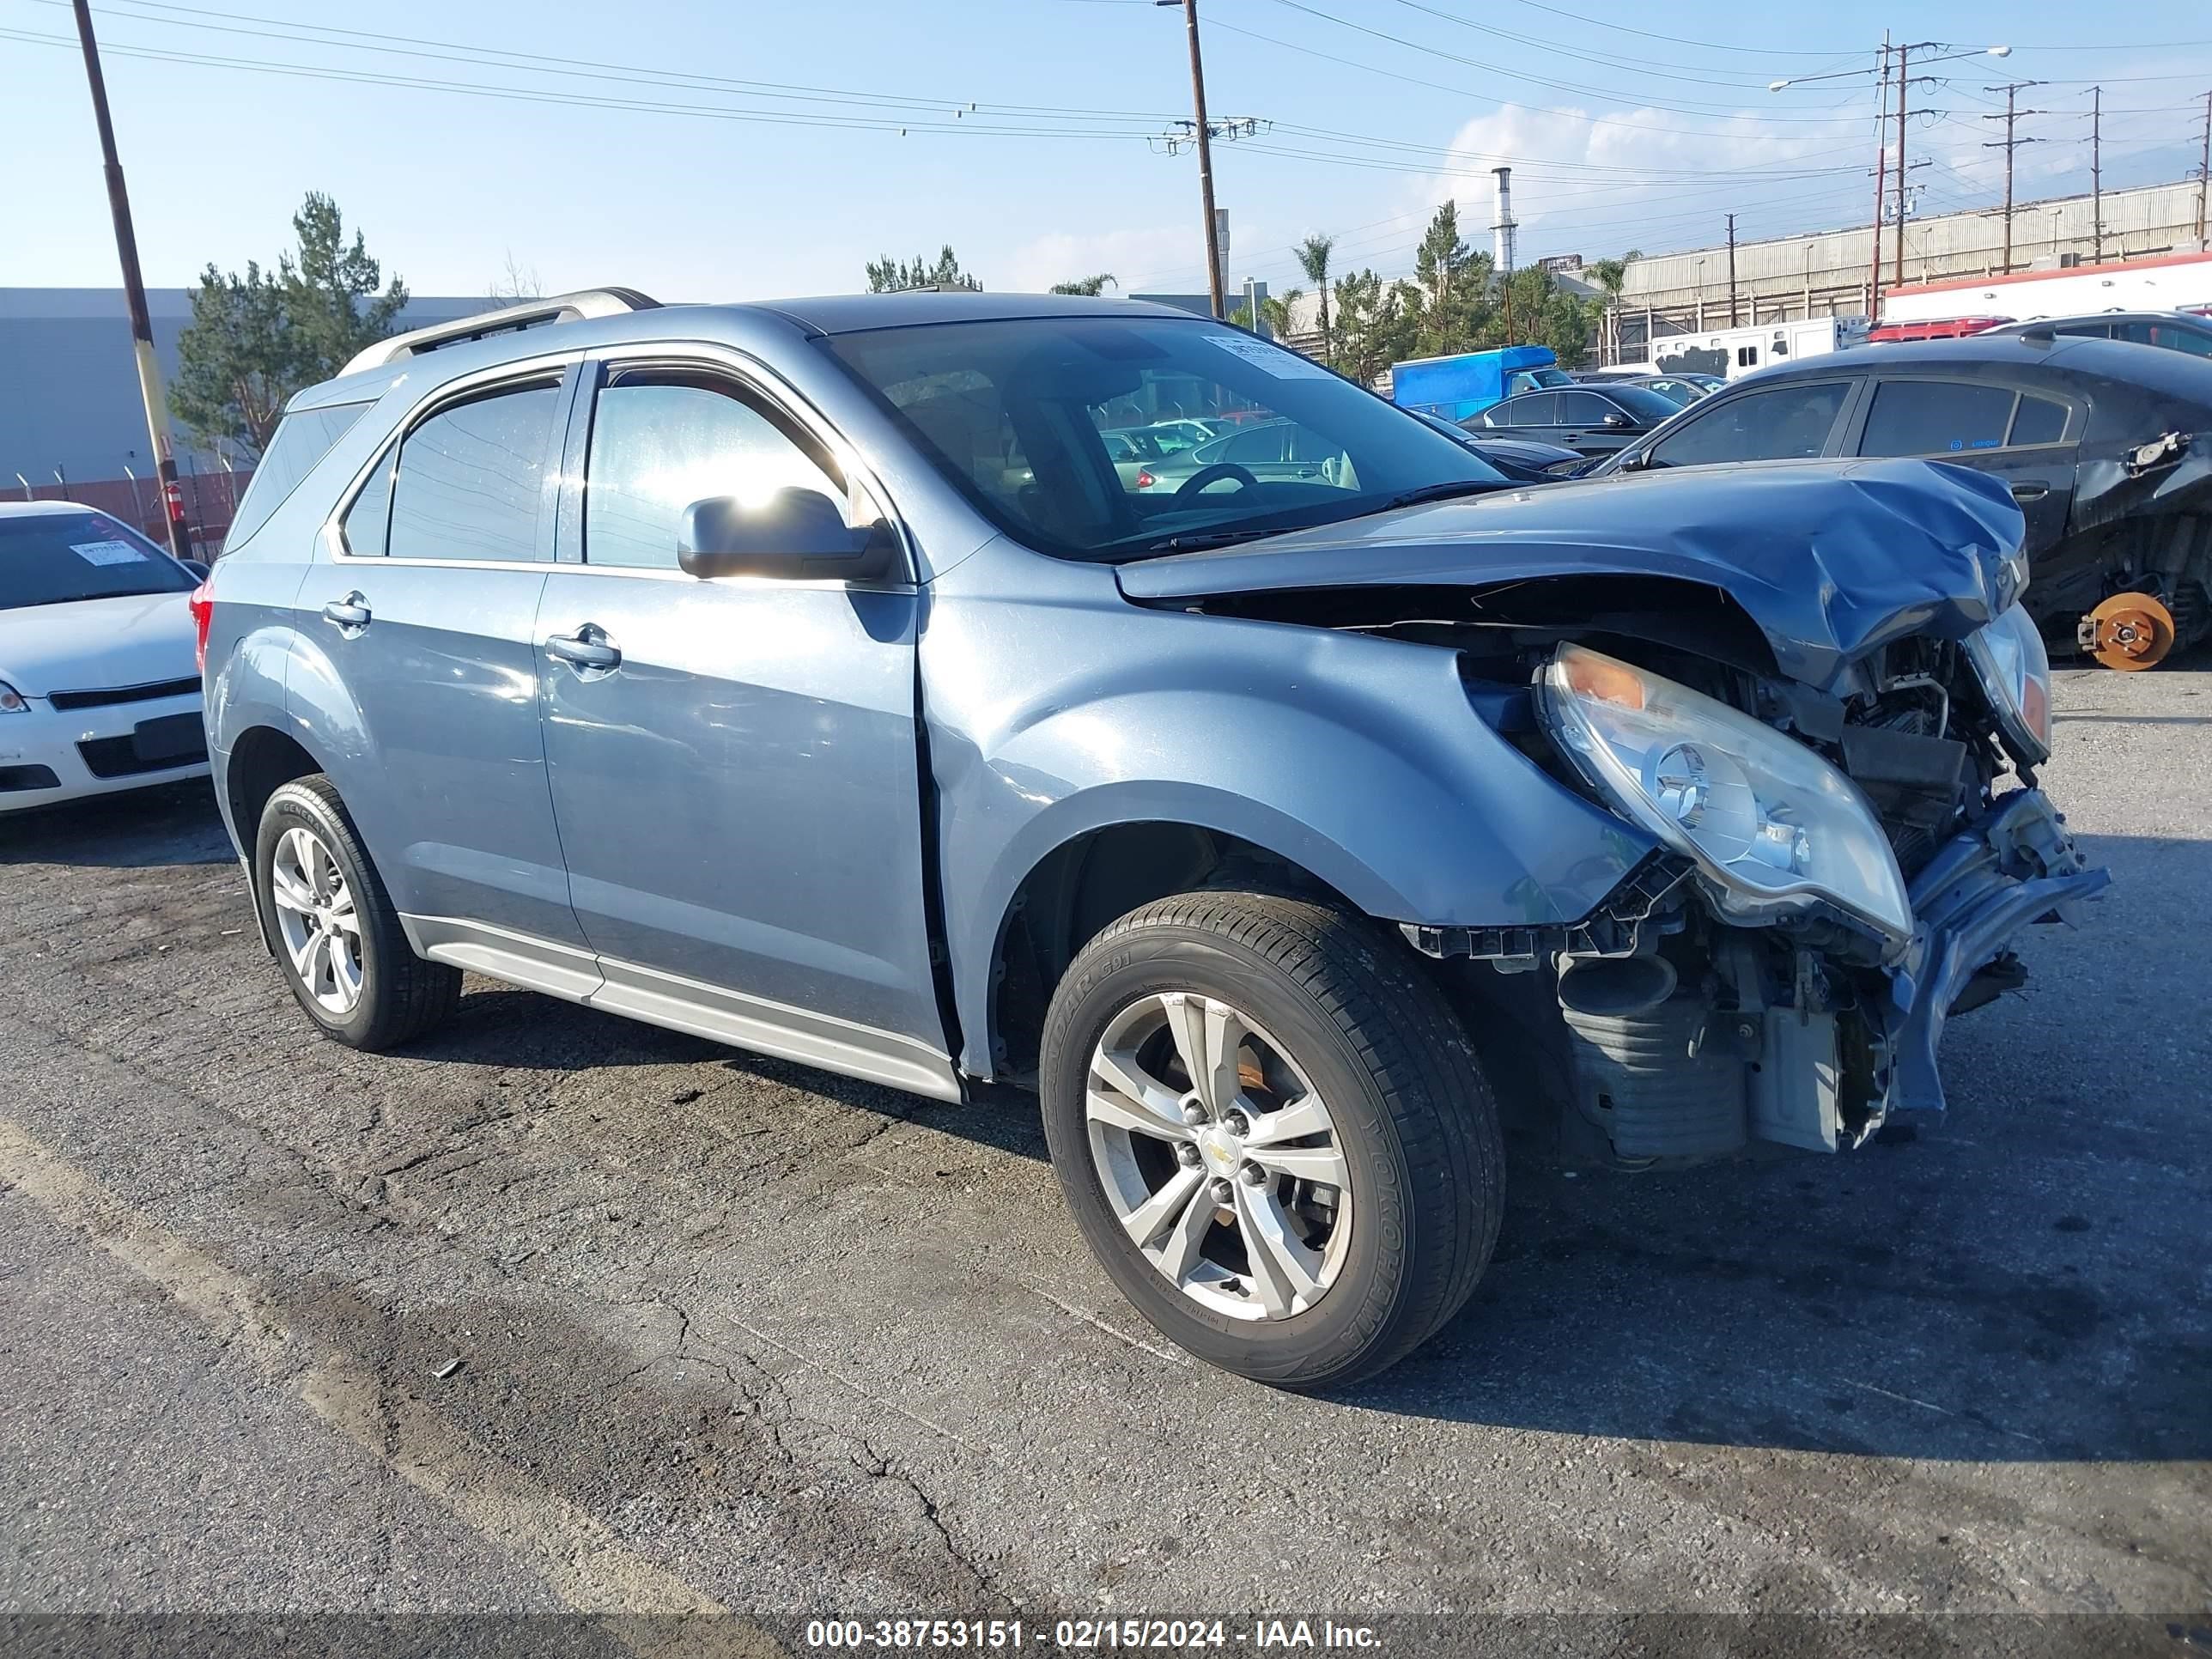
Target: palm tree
(1090,285)
(1612,277)
(1313,259)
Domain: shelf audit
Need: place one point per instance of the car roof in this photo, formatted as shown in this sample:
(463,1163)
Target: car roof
(40,509)
(853,313)
(1991,350)
(2187,319)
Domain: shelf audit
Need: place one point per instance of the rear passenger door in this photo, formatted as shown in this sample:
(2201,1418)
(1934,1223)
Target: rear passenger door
(735,762)
(2030,440)
(425,610)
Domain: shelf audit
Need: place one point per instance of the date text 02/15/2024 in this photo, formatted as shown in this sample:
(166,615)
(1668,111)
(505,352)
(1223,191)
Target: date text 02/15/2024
(1082,1635)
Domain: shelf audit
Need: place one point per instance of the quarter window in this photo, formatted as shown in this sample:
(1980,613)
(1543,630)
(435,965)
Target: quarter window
(1786,423)
(470,479)
(1936,417)
(659,445)
(2038,421)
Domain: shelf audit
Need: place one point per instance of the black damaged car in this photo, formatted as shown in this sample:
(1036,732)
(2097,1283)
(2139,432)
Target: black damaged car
(2106,445)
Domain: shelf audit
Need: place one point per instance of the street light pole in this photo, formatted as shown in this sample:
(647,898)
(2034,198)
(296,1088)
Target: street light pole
(1205,155)
(134,294)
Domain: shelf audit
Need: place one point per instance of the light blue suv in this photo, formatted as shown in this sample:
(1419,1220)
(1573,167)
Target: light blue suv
(805,676)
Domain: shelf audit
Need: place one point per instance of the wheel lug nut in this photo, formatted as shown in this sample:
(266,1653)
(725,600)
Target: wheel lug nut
(1194,1113)
(1254,1176)
(1237,1123)
(1223,1192)
(1187,1155)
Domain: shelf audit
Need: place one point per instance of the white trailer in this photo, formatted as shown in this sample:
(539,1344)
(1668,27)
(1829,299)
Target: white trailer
(2160,283)
(1732,352)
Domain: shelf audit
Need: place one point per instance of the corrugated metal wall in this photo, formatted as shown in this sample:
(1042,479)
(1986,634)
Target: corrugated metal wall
(1825,274)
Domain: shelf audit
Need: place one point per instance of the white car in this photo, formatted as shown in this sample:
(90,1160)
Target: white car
(100,684)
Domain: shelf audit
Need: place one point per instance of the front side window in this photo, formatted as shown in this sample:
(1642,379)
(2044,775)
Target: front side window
(1783,423)
(1013,412)
(470,479)
(1581,409)
(53,558)
(661,442)
(1936,417)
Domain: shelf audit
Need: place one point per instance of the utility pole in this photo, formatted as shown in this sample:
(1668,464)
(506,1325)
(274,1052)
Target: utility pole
(1897,268)
(1731,219)
(2008,144)
(2096,176)
(2204,173)
(1881,184)
(1204,154)
(134,294)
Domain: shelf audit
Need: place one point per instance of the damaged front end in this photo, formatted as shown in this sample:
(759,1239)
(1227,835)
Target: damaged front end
(1837,877)
(1814,696)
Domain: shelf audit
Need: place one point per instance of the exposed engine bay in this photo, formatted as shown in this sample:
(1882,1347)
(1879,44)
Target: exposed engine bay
(1687,1024)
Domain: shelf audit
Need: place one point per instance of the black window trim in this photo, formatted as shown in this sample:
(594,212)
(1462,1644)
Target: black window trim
(751,377)
(560,368)
(1864,414)
(1843,434)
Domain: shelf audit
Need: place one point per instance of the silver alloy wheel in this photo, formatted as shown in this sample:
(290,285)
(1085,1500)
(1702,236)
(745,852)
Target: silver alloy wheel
(1219,1157)
(316,919)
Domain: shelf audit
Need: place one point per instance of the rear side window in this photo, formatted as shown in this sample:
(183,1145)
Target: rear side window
(303,438)
(1785,423)
(471,478)
(2038,421)
(1534,409)
(1936,417)
(657,447)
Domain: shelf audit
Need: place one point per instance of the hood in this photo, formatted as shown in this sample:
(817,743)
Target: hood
(1831,559)
(94,645)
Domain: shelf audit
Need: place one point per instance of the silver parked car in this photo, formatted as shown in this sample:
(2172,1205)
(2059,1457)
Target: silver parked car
(801,676)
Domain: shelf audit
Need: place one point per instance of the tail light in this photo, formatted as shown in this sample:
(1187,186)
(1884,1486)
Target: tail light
(203,608)
(1144,480)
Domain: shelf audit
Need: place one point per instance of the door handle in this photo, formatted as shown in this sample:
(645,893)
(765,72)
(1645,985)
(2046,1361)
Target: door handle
(587,649)
(2030,492)
(351,614)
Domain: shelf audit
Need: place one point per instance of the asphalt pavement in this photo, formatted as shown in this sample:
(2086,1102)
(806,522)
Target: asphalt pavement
(558,1312)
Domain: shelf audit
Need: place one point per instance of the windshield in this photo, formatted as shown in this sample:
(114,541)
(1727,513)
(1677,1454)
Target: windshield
(1027,418)
(51,558)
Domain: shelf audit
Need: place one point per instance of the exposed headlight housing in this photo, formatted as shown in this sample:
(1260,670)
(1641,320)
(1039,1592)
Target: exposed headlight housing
(2014,671)
(1774,829)
(11,700)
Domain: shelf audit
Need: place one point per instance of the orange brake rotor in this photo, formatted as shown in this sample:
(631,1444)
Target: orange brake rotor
(2128,631)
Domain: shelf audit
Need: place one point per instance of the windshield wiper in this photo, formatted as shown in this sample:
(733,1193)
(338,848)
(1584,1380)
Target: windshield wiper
(1193,540)
(1442,492)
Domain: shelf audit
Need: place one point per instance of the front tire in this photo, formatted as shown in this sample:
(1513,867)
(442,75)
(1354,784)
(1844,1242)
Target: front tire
(1274,1135)
(338,940)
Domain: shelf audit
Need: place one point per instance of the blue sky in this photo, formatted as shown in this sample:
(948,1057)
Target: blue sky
(776,163)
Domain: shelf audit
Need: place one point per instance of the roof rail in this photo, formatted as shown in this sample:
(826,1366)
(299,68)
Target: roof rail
(531,313)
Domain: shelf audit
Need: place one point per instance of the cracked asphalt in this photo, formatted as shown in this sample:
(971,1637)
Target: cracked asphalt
(556,1311)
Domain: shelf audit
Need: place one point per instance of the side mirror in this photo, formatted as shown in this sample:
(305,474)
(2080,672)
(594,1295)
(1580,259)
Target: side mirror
(198,566)
(795,535)
(1616,419)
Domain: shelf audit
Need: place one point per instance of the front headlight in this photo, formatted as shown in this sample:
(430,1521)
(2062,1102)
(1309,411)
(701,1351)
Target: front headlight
(1773,826)
(2014,671)
(11,700)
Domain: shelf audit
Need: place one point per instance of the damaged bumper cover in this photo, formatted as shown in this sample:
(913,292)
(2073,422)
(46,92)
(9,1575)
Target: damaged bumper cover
(2015,865)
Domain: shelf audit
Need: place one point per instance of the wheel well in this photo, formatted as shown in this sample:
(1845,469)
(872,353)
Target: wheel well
(262,761)
(1081,886)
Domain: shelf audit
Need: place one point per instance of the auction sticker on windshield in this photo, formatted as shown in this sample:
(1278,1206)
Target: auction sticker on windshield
(108,552)
(1282,365)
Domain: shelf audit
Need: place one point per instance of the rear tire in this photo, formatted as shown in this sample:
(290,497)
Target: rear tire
(339,943)
(1312,1005)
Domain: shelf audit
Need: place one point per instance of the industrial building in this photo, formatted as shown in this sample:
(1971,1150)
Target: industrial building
(1830,273)
(71,424)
